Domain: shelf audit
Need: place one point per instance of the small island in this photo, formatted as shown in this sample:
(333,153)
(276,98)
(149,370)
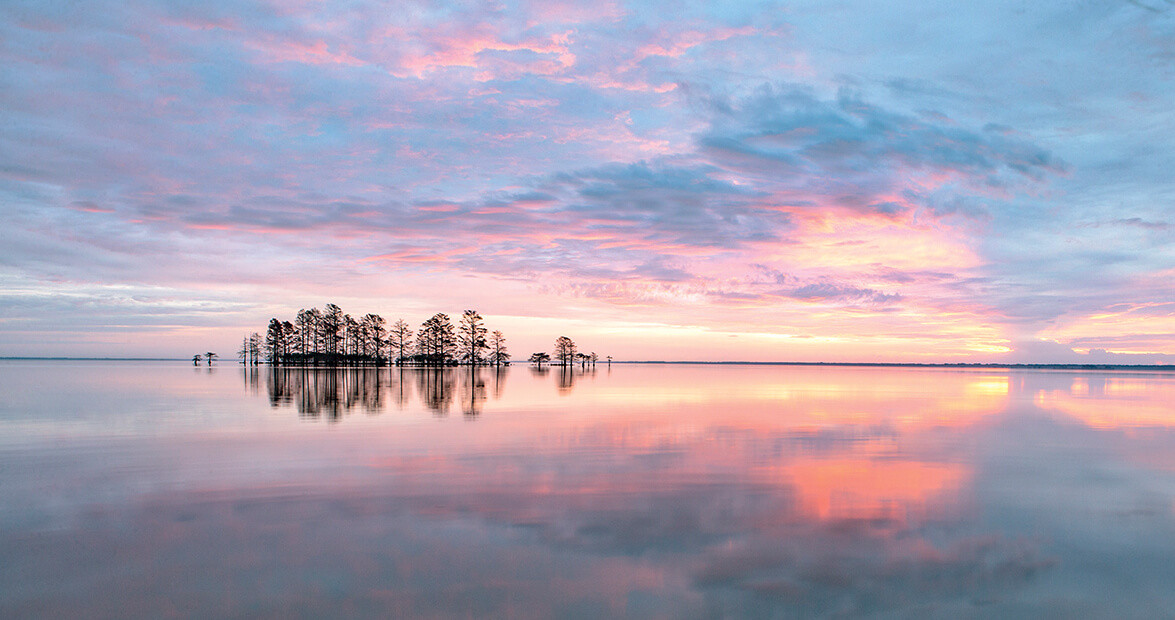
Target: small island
(332,337)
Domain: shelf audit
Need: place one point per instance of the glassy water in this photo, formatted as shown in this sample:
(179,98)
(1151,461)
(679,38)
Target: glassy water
(163,490)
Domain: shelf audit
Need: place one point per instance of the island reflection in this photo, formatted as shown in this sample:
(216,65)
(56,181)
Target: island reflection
(331,393)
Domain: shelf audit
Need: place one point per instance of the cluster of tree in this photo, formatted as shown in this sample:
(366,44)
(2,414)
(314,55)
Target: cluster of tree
(565,354)
(334,338)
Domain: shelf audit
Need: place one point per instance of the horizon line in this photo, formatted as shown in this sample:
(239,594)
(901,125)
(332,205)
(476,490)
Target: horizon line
(1013,365)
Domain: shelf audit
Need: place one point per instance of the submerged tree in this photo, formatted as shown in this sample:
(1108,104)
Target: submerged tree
(471,337)
(275,341)
(540,358)
(564,350)
(399,340)
(329,327)
(436,342)
(307,325)
(208,356)
(255,345)
(373,333)
(196,359)
(498,353)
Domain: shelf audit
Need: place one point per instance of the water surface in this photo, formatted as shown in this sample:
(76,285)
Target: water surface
(163,490)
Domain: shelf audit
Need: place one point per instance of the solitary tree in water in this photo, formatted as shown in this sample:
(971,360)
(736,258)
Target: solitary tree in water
(208,356)
(498,353)
(565,350)
(196,359)
(540,358)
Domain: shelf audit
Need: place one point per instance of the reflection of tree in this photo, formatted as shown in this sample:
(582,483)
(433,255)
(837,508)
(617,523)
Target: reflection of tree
(328,392)
(252,379)
(567,376)
(499,382)
(332,393)
(403,391)
(435,386)
(473,391)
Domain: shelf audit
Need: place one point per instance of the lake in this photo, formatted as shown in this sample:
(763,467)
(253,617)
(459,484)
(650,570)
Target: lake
(137,489)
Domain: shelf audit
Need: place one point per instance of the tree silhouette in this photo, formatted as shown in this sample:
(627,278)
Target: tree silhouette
(540,358)
(373,332)
(333,337)
(329,327)
(351,337)
(564,350)
(254,348)
(471,337)
(498,353)
(435,343)
(196,359)
(290,340)
(208,356)
(399,340)
(276,341)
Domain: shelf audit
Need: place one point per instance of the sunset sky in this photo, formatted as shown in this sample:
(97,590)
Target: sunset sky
(809,181)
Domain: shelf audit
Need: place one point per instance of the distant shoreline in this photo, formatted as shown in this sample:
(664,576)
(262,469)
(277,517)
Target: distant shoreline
(1170,367)
(94,359)
(1161,367)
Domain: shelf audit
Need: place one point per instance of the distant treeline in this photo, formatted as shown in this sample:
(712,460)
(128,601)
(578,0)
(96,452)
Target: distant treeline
(331,337)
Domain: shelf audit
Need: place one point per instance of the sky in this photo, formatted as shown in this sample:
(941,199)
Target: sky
(802,181)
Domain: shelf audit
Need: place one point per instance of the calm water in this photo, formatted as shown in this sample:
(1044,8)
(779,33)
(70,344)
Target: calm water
(160,490)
